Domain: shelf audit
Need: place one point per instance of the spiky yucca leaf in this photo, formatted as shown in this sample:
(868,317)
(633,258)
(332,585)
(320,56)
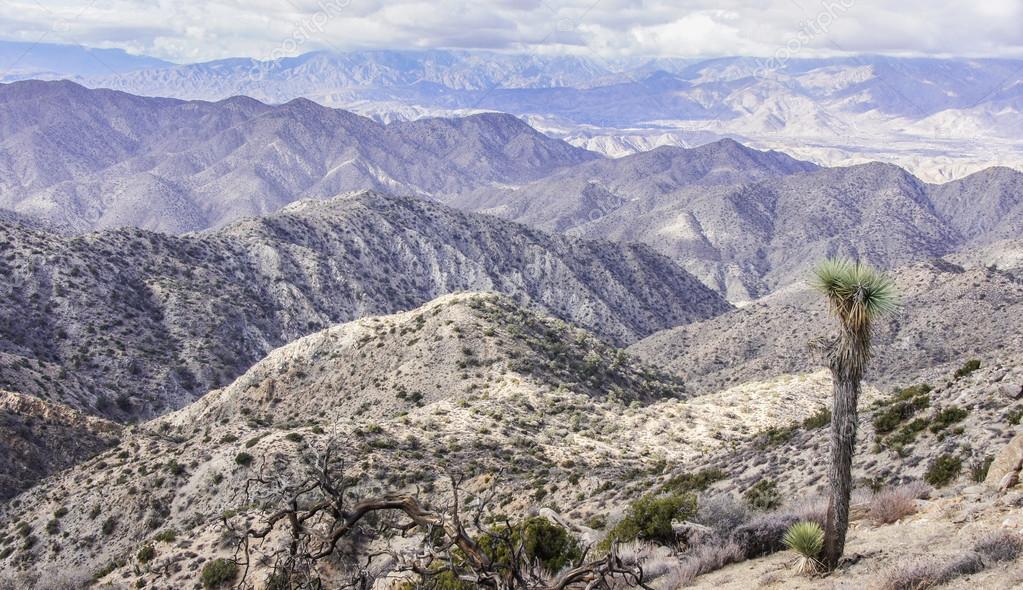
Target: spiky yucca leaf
(806,539)
(856,292)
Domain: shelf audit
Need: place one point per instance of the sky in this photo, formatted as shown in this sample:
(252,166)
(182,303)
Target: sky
(191,31)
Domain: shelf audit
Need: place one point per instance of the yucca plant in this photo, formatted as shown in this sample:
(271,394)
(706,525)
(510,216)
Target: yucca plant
(857,295)
(807,540)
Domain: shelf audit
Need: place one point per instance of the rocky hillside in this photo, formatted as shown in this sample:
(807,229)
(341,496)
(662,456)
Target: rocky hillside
(129,323)
(38,438)
(93,159)
(550,418)
(471,383)
(963,306)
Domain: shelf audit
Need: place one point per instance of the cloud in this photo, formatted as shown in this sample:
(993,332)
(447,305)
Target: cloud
(192,30)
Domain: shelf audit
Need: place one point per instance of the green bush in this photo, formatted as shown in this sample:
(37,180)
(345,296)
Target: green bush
(979,469)
(108,526)
(943,470)
(166,536)
(905,403)
(244,459)
(947,417)
(548,543)
(763,495)
(649,519)
(970,366)
(907,434)
(693,482)
(819,419)
(597,522)
(146,553)
(218,573)
(542,542)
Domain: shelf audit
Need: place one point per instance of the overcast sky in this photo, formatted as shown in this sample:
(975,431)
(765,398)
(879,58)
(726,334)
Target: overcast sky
(187,30)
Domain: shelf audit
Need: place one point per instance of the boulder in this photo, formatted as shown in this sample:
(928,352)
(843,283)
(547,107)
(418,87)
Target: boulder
(1004,472)
(1011,390)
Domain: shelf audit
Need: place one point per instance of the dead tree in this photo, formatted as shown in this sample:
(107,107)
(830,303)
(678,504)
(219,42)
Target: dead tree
(316,515)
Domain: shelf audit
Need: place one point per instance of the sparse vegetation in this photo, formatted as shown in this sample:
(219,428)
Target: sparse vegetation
(763,495)
(999,546)
(893,504)
(927,572)
(968,368)
(146,553)
(649,519)
(218,573)
(943,470)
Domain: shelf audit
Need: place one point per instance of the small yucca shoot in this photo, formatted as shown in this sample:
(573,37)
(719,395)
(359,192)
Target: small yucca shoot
(806,539)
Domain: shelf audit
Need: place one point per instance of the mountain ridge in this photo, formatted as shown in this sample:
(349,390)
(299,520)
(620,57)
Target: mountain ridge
(129,323)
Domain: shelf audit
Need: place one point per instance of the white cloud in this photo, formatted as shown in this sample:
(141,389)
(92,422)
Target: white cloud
(187,30)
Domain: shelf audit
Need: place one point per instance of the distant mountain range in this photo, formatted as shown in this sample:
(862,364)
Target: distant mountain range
(745,222)
(748,222)
(940,118)
(95,158)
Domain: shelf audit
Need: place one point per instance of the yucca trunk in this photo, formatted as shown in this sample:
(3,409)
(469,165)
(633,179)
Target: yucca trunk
(843,443)
(857,295)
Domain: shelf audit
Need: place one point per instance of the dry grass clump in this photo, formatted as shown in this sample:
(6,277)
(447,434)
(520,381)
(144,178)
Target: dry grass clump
(704,559)
(893,504)
(723,513)
(999,546)
(922,573)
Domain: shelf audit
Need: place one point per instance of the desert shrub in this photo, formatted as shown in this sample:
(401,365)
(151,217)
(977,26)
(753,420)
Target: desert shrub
(550,544)
(649,519)
(947,417)
(980,467)
(763,495)
(108,525)
(693,482)
(218,573)
(819,419)
(146,553)
(166,536)
(969,367)
(704,559)
(597,522)
(943,470)
(175,468)
(542,542)
(244,459)
(723,513)
(905,403)
(999,546)
(892,504)
(923,573)
(763,534)
(806,539)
